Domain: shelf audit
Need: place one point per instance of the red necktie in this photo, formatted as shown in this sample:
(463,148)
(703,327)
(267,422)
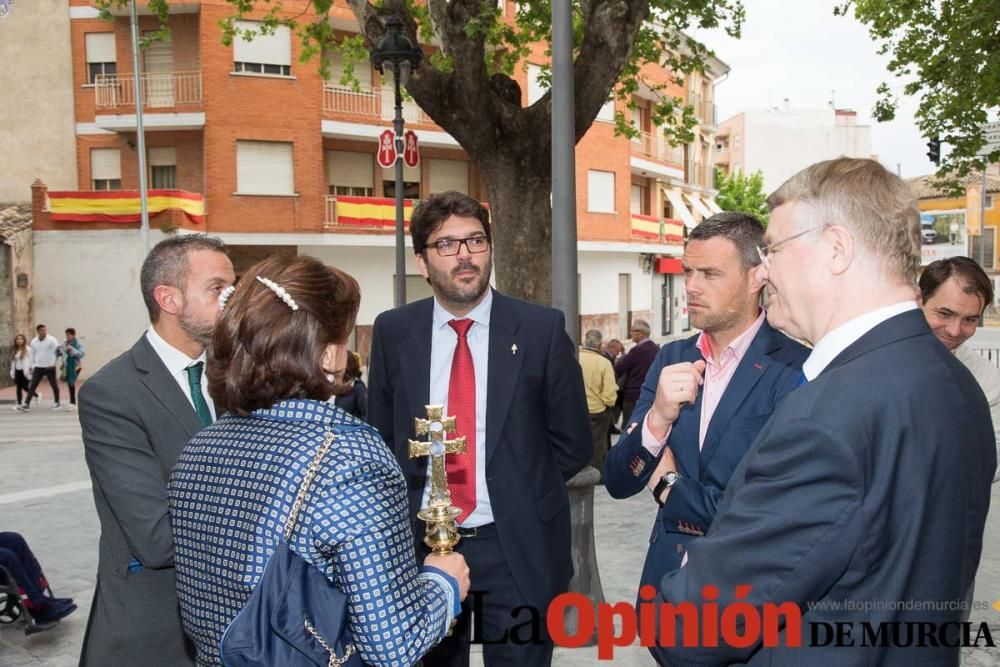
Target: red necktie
(461,468)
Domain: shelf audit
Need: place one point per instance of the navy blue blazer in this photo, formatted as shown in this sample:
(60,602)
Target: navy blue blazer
(769,370)
(870,484)
(537,427)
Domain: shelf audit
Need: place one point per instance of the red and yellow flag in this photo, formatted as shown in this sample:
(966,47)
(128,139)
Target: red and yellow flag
(122,205)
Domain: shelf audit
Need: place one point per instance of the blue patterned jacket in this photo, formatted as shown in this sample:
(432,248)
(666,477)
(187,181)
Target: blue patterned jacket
(231,492)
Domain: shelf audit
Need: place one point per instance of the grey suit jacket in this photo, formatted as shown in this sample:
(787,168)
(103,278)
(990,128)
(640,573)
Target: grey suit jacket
(135,421)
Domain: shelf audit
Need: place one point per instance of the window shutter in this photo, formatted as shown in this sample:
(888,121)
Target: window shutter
(350,169)
(101,47)
(448,175)
(105,164)
(163,157)
(600,191)
(362,70)
(410,174)
(535,88)
(635,205)
(264,168)
(275,49)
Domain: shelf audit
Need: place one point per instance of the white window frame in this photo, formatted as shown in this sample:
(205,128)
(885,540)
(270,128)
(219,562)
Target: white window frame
(101,54)
(599,198)
(535,89)
(264,55)
(106,168)
(261,168)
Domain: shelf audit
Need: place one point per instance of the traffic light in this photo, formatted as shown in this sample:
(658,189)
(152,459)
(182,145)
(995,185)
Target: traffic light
(934,150)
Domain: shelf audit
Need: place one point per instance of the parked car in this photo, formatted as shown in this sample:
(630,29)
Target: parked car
(927,233)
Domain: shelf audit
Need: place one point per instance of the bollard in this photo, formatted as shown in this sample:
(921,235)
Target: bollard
(586,578)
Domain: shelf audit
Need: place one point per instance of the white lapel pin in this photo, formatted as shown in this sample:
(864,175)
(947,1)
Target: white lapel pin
(513,348)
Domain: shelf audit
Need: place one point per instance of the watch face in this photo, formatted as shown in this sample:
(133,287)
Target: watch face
(671,477)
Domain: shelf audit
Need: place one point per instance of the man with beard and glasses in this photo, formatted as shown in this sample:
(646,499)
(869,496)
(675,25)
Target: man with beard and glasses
(137,413)
(508,372)
(706,397)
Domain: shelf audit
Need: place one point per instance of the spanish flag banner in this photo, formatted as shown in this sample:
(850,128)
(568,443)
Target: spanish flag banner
(121,205)
(371,212)
(647,227)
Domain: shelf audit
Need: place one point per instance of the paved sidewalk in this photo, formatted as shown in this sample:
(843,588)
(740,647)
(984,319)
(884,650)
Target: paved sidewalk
(46,496)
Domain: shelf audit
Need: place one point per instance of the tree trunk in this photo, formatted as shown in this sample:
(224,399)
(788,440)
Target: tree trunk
(518,188)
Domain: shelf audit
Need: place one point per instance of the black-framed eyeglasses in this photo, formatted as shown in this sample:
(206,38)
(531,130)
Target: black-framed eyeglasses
(765,251)
(451,247)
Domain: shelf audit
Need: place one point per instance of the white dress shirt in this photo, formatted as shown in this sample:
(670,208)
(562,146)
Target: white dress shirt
(841,338)
(43,352)
(443,341)
(177,363)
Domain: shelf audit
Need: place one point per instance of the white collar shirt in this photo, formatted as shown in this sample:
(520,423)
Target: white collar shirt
(177,363)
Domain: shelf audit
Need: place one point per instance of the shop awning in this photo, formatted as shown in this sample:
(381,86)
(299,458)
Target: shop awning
(713,206)
(698,205)
(680,208)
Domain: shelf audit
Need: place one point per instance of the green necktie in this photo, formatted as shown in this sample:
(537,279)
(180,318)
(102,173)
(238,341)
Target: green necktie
(198,398)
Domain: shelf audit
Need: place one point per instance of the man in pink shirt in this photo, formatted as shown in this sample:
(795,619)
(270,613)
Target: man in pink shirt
(705,398)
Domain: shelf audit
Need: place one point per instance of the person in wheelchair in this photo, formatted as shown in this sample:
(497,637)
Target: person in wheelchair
(24,588)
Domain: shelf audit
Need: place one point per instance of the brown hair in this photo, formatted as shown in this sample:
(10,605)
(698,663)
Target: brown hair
(869,200)
(433,211)
(262,351)
(352,373)
(970,276)
(167,264)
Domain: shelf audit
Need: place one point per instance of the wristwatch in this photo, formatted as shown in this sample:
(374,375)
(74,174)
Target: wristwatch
(668,480)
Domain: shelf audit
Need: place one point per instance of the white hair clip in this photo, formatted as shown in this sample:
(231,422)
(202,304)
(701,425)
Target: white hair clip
(280,291)
(224,296)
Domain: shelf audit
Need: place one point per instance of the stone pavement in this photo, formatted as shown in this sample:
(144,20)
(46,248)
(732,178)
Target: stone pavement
(46,496)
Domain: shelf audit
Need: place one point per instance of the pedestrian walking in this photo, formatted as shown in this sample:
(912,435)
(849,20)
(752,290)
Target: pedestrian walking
(44,350)
(20,367)
(72,354)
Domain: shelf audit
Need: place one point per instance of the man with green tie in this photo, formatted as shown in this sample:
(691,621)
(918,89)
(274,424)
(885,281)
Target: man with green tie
(137,413)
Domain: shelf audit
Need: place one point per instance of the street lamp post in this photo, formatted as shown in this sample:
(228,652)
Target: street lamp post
(397,54)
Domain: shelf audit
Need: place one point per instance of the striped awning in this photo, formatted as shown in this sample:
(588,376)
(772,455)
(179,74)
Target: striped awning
(121,205)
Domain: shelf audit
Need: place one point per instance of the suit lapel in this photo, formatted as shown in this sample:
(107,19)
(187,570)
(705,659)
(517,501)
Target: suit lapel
(687,425)
(504,367)
(749,372)
(163,387)
(415,363)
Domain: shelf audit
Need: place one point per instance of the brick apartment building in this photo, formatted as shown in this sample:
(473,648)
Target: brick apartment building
(247,143)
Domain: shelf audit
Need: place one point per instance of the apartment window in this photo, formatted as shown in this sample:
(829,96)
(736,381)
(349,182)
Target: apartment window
(988,201)
(600,191)
(535,88)
(362,71)
(607,112)
(105,169)
(101,57)
(264,54)
(637,203)
(350,174)
(448,175)
(264,168)
(411,182)
(163,168)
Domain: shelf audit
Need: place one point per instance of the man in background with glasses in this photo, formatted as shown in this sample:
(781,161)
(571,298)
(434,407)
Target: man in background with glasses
(508,372)
(870,483)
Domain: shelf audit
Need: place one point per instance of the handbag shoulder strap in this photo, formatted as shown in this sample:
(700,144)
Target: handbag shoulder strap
(307,481)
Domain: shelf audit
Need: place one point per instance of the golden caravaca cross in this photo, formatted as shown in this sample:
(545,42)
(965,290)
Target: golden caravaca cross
(440,514)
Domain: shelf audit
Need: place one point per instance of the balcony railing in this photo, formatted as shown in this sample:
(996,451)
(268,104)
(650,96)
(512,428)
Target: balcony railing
(370,102)
(158,90)
(657,146)
(656,230)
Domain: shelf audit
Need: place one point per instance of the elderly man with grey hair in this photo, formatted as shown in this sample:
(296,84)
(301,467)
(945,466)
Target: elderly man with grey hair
(599,383)
(870,482)
(631,369)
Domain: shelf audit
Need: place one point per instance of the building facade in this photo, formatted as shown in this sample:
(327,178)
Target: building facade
(782,141)
(247,143)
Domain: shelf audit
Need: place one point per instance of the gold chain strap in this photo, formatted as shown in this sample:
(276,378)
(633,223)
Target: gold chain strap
(334,660)
(306,483)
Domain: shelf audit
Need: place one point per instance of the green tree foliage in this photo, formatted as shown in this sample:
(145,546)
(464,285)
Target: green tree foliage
(947,52)
(740,192)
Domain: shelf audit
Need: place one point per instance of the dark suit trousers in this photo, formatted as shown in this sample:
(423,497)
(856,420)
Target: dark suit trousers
(37,374)
(498,597)
(600,426)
